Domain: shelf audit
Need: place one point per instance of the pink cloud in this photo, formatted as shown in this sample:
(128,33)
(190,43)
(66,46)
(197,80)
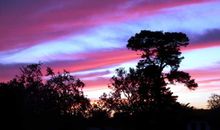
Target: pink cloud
(90,61)
(101,59)
(26,23)
(97,60)
(205,74)
(9,71)
(194,46)
(90,75)
(97,83)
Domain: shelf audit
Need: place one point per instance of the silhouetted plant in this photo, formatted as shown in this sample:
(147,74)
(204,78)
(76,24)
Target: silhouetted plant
(60,94)
(97,112)
(11,104)
(214,102)
(145,88)
(36,100)
(69,89)
(31,76)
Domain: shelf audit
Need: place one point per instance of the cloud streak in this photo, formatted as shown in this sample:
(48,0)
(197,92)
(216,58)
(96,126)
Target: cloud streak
(27,22)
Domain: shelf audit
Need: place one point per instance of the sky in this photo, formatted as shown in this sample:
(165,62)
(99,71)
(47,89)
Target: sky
(88,38)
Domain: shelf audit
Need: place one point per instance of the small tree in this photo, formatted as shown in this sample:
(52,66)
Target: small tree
(214,102)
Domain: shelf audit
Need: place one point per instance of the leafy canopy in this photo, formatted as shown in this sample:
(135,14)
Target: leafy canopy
(144,88)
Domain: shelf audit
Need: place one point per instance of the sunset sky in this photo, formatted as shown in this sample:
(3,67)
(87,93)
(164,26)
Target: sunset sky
(88,38)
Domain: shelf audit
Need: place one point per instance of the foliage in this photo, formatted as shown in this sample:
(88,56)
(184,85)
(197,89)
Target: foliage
(56,94)
(214,102)
(145,87)
(98,112)
(70,95)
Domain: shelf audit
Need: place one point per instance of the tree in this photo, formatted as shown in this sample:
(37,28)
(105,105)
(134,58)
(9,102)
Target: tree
(60,94)
(32,99)
(71,97)
(159,51)
(31,79)
(97,111)
(214,102)
(31,76)
(12,103)
(145,88)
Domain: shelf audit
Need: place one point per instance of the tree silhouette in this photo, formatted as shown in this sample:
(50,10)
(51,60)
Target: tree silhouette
(31,76)
(12,105)
(31,79)
(214,102)
(69,89)
(97,112)
(145,88)
(60,94)
(159,51)
(37,101)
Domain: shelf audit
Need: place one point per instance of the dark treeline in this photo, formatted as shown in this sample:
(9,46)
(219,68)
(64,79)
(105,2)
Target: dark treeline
(140,97)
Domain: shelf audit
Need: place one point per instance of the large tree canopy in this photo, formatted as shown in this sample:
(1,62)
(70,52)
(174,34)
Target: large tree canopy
(158,48)
(145,87)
